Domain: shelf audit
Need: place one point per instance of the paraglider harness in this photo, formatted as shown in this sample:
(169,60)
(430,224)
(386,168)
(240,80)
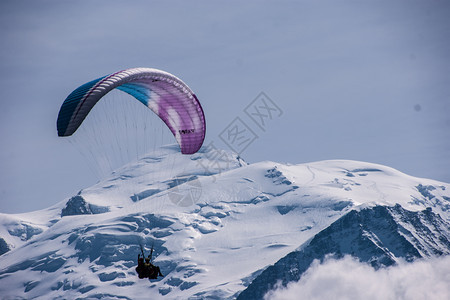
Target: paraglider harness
(147,269)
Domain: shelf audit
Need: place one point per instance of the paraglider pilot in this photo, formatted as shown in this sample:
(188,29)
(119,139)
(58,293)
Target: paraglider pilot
(147,269)
(140,267)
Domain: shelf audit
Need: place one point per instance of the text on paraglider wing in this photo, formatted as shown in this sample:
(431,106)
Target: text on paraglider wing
(186,131)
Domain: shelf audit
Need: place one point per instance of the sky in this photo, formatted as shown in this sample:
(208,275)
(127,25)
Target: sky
(355,80)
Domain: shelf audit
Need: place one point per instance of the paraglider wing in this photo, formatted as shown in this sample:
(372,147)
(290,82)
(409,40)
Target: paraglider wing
(166,95)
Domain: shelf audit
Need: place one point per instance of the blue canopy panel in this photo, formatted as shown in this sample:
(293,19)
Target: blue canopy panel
(138,90)
(70,105)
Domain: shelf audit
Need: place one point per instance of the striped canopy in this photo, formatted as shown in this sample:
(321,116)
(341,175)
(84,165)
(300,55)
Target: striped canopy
(166,95)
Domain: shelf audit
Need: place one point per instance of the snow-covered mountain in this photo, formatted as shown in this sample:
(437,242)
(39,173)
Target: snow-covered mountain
(220,228)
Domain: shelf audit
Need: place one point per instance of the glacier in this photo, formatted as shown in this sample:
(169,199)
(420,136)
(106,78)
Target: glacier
(221,228)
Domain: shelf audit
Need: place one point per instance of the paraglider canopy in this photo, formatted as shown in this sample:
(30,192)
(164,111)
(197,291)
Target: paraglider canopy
(166,95)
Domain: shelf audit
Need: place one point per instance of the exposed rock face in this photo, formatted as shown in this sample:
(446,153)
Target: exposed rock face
(78,206)
(379,235)
(3,247)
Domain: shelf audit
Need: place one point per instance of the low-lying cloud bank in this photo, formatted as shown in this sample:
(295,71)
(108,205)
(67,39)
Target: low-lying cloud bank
(348,278)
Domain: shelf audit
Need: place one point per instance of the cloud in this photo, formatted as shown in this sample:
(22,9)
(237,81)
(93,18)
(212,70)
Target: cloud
(348,278)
